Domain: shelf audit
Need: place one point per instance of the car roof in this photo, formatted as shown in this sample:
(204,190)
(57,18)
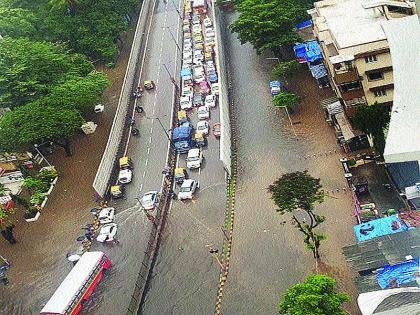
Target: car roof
(193,152)
(187,182)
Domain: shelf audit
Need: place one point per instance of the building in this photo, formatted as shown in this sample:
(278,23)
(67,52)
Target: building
(355,48)
(402,147)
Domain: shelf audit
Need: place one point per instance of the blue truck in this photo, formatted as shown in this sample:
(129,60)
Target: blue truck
(182,138)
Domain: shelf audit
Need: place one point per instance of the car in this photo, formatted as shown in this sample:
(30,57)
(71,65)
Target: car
(125,176)
(215,88)
(209,42)
(208,49)
(203,127)
(195,19)
(198,68)
(199,46)
(198,39)
(196,28)
(187,190)
(194,158)
(187,50)
(209,33)
(187,35)
(187,16)
(198,100)
(107,233)
(185,102)
(203,112)
(212,77)
(210,67)
(199,78)
(188,59)
(186,28)
(187,91)
(198,53)
(210,101)
(150,200)
(216,130)
(185,22)
(204,87)
(207,22)
(106,215)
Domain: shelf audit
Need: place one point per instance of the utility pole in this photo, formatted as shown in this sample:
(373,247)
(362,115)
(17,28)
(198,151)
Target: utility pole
(177,11)
(173,38)
(163,128)
(171,77)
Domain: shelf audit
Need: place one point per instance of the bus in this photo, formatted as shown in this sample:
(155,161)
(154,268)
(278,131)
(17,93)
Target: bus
(78,286)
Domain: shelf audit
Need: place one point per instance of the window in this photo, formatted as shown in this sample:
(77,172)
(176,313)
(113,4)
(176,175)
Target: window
(379,93)
(370,58)
(376,75)
(349,86)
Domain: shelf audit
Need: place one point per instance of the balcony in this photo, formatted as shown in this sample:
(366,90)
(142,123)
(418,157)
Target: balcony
(346,76)
(351,94)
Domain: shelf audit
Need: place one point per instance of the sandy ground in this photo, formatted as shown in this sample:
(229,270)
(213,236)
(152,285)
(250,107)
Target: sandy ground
(39,254)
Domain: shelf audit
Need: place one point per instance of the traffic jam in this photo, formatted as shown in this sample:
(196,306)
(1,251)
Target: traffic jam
(199,96)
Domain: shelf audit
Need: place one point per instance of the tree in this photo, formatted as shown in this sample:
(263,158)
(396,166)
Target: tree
(286,69)
(372,120)
(17,22)
(317,295)
(268,24)
(286,99)
(80,92)
(36,123)
(30,69)
(298,192)
(70,5)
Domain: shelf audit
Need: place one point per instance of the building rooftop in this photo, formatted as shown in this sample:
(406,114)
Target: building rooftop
(402,142)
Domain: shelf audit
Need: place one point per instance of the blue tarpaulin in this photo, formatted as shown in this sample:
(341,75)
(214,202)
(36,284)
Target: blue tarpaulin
(318,71)
(185,72)
(395,275)
(304,24)
(379,227)
(308,51)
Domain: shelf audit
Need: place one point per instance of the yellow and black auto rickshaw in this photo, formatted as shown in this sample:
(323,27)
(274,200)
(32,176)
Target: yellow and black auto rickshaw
(182,116)
(149,85)
(180,175)
(117,191)
(200,140)
(125,163)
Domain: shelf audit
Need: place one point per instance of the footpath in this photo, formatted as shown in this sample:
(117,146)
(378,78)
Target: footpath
(38,258)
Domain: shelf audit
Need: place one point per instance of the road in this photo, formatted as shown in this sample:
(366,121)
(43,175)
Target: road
(269,256)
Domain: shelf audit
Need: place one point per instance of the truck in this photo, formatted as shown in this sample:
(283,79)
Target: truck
(182,138)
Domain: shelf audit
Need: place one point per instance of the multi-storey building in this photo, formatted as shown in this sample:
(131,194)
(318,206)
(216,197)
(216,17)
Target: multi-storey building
(355,48)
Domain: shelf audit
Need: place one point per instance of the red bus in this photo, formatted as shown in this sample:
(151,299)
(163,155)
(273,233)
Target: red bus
(78,286)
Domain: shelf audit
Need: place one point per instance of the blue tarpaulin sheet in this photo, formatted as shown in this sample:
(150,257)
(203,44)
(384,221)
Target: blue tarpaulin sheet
(395,275)
(379,227)
(308,51)
(304,24)
(318,71)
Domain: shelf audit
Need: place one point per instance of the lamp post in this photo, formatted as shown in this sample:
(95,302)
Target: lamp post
(171,77)
(177,11)
(173,38)
(163,128)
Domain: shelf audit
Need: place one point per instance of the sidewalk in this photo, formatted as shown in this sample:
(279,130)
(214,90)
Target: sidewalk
(38,258)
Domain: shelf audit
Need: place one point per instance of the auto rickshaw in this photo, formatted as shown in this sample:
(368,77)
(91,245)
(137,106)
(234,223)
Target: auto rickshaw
(180,175)
(117,191)
(200,140)
(125,163)
(182,116)
(149,85)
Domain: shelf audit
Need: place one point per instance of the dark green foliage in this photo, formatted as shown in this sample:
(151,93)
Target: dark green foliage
(17,22)
(286,99)
(286,69)
(372,120)
(317,295)
(268,24)
(299,191)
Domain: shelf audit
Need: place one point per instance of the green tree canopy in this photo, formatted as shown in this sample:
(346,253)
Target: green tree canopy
(268,24)
(317,295)
(37,122)
(372,120)
(286,69)
(300,191)
(29,69)
(17,22)
(286,99)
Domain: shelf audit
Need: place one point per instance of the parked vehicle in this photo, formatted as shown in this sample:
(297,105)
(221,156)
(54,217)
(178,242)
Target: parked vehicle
(200,6)
(187,79)
(200,140)
(117,191)
(194,158)
(181,137)
(125,174)
(200,77)
(195,19)
(149,85)
(106,215)
(213,77)
(215,88)
(210,101)
(203,112)
(198,100)
(150,200)
(188,189)
(78,285)
(204,87)
(216,130)
(275,87)
(180,175)
(207,22)
(108,233)
(185,102)
(203,126)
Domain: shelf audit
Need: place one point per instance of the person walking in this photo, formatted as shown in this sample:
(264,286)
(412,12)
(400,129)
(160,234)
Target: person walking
(7,233)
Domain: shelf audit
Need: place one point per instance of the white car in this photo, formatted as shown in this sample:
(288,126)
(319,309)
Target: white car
(207,22)
(194,158)
(107,233)
(106,215)
(187,60)
(187,190)
(187,47)
(198,54)
(210,101)
(209,32)
(185,102)
(203,127)
(215,88)
(198,68)
(187,91)
(196,28)
(209,41)
(203,112)
(199,78)
(125,176)
(150,200)
(210,67)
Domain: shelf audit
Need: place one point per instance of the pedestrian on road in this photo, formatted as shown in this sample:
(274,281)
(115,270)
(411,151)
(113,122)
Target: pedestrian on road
(7,233)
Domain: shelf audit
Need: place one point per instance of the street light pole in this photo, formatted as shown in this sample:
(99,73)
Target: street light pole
(163,128)
(171,77)
(173,38)
(177,11)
